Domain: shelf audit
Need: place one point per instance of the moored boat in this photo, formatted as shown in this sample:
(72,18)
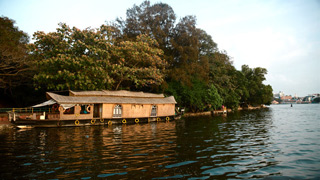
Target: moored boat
(85,108)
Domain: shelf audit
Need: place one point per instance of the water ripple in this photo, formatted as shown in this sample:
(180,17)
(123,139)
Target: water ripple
(276,143)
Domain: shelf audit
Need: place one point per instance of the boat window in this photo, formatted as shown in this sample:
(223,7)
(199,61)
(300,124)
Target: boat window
(154,110)
(117,111)
(69,111)
(84,109)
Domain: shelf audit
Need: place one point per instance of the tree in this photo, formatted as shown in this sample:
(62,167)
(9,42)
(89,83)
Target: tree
(92,59)
(213,98)
(194,62)
(14,65)
(224,76)
(138,63)
(192,97)
(267,95)
(181,43)
(156,21)
(72,59)
(188,64)
(198,97)
(258,92)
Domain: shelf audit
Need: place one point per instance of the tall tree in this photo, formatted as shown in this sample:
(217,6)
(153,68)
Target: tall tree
(92,59)
(194,61)
(213,98)
(72,59)
(138,63)
(156,21)
(14,66)
(192,97)
(186,50)
(223,75)
(258,92)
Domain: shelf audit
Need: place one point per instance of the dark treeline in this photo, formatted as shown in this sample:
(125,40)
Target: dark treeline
(150,50)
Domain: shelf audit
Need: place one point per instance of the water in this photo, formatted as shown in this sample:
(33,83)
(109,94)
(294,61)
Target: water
(276,143)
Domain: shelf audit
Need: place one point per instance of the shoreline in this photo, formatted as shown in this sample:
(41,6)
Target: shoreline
(220,112)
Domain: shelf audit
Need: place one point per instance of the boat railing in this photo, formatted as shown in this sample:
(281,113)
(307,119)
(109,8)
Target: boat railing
(27,110)
(30,113)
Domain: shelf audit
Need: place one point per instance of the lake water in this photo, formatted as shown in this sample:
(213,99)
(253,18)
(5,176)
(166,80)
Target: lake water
(281,142)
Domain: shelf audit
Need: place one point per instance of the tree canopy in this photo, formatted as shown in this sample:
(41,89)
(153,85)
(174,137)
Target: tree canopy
(92,59)
(149,50)
(195,64)
(13,55)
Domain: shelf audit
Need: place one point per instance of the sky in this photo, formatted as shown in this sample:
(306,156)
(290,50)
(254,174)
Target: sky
(282,36)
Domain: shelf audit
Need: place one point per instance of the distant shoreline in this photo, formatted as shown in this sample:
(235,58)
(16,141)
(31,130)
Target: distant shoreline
(220,112)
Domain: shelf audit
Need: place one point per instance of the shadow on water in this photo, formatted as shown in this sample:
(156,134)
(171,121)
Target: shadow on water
(241,145)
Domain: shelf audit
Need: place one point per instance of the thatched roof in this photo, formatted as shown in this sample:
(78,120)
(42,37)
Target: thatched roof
(121,93)
(109,99)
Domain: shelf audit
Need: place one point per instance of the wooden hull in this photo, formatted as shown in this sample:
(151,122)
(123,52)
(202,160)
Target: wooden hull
(29,123)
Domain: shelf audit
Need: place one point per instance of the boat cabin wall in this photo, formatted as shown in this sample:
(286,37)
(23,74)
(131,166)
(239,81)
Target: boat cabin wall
(107,110)
(137,110)
(166,110)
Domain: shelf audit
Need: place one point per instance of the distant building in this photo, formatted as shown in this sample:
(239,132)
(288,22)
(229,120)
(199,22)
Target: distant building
(278,95)
(281,98)
(286,98)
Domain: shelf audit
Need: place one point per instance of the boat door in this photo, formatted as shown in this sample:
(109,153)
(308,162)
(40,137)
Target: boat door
(97,110)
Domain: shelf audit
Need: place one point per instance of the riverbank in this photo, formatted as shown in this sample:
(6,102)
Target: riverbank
(217,112)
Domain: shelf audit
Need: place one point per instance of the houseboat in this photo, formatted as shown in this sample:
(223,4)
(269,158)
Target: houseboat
(83,108)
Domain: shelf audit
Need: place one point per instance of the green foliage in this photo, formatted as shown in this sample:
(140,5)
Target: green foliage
(258,93)
(224,76)
(183,44)
(213,98)
(16,70)
(72,59)
(148,50)
(156,21)
(195,64)
(188,51)
(14,65)
(140,63)
(92,59)
(232,100)
(266,95)
(193,98)
(198,97)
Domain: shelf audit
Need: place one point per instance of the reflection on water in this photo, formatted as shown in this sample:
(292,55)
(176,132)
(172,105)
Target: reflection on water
(273,143)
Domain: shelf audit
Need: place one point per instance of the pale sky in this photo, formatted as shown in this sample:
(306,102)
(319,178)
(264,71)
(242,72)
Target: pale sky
(282,36)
